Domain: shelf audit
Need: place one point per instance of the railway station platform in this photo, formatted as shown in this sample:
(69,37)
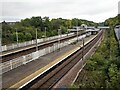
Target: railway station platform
(18,76)
(48,40)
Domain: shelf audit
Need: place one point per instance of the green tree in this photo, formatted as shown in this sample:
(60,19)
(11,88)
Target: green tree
(28,37)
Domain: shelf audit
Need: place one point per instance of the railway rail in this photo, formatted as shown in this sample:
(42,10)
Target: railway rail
(14,55)
(49,78)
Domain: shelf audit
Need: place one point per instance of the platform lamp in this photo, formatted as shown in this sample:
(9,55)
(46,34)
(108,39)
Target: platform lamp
(36,41)
(83,49)
(77,29)
(59,34)
(84,28)
(45,35)
(67,30)
(77,33)
(17,36)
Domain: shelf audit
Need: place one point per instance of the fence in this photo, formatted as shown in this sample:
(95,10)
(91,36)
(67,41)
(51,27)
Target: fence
(9,65)
(14,45)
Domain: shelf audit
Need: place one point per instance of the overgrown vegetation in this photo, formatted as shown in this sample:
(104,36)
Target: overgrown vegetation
(27,28)
(113,21)
(103,68)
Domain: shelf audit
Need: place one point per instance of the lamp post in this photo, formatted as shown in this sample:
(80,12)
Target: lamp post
(44,28)
(36,41)
(67,31)
(83,46)
(45,34)
(59,34)
(83,49)
(17,37)
(77,33)
(77,29)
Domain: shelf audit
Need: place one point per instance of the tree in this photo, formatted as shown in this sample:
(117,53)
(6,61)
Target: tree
(56,23)
(28,26)
(37,22)
(68,24)
(26,22)
(47,23)
(28,37)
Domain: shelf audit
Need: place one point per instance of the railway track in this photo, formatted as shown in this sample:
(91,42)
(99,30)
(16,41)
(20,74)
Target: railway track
(33,49)
(48,79)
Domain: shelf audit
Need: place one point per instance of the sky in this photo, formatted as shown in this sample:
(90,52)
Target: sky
(119,7)
(93,10)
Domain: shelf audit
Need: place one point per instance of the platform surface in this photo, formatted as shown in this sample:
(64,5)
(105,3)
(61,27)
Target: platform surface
(24,73)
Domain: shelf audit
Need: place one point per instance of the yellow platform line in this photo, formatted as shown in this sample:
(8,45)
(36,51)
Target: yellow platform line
(38,72)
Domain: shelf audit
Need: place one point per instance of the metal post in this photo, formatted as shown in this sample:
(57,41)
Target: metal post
(77,29)
(36,41)
(58,38)
(17,37)
(67,31)
(83,50)
(77,34)
(45,33)
(59,30)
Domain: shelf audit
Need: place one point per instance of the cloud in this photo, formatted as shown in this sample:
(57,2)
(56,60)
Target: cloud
(87,9)
(119,7)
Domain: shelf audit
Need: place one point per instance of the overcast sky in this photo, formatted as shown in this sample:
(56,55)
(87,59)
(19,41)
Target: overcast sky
(94,10)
